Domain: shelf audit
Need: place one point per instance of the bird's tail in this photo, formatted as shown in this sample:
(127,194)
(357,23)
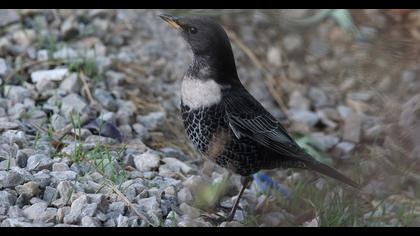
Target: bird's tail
(330,172)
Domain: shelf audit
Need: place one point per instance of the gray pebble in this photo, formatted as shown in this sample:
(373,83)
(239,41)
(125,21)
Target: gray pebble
(39,162)
(304,116)
(323,142)
(88,221)
(65,190)
(50,194)
(153,120)
(184,195)
(52,75)
(64,175)
(15,212)
(70,84)
(16,136)
(43,178)
(30,189)
(34,212)
(106,99)
(147,161)
(141,131)
(122,221)
(72,102)
(60,167)
(76,210)
(58,122)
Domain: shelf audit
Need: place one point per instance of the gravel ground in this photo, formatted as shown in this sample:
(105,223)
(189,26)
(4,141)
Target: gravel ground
(90,133)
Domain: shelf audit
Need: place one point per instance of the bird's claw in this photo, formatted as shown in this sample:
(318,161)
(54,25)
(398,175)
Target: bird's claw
(216,218)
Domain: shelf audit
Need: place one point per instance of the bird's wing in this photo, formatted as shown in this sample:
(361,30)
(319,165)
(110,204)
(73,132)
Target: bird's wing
(248,118)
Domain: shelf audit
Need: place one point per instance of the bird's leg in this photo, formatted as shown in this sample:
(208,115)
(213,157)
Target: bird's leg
(245,180)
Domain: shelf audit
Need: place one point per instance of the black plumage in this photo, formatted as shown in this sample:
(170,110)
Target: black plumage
(223,120)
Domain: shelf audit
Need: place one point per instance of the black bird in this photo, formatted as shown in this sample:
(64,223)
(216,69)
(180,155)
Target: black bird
(223,120)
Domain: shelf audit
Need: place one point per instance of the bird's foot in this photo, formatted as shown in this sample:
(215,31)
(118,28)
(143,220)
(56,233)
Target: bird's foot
(216,219)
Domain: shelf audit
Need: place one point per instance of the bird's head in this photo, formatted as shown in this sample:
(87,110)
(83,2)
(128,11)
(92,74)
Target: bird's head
(203,34)
(210,46)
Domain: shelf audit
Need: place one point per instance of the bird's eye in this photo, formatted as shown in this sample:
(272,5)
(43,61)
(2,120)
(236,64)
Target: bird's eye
(193,30)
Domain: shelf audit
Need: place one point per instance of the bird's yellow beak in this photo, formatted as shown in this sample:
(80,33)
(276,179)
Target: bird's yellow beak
(171,20)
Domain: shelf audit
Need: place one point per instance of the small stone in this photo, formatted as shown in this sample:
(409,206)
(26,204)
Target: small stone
(14,212)
(126,131)
(146,161)
(50,194)
(352,128)
(176,165)
(60,167)
(363,96)
(344,111)
(122,221)
(6,164)
(8,126)
(45,87)
(70,84)
(16,223)
(345,147)
(69,28)
(13,178)
(39,162)
(88,221)
(100,200)
(274,56)
(16,136)
(33,212)
(65,53)
(312,223)
(48,216)
(323,142)
(298,101)
(318,97)
(188,210)
(292,43)
(7,198)
(115,209)
(106,99)
(185,196)
(318,48)
(149,204)
(295,72)
(110,223)
(304,116)
(43,178)
(3,67)
(171,219)
(24,38)
(42,55)
(76,210)
(153,120)
(52,75)
(65,190)
(8,16)
(58,122)
(72,102)
(141,131)
(30,189)
(61,212)
(231,224)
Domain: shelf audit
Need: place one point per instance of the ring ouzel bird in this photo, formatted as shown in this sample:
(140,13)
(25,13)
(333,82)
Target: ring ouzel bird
(225,123)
